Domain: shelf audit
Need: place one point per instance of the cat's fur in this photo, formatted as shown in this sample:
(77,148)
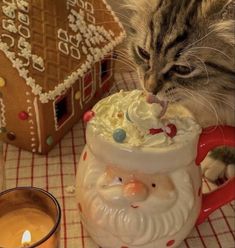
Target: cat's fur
(196,34)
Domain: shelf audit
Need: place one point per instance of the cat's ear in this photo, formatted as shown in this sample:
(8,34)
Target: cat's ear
(224,30)
(210,8)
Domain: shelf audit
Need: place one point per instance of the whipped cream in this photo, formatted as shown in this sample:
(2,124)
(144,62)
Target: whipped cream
(131,113)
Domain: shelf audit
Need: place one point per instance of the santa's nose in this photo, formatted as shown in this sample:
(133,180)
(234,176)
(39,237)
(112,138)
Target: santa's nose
(135,191)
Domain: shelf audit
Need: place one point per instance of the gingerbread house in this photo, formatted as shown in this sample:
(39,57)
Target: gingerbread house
(56,62)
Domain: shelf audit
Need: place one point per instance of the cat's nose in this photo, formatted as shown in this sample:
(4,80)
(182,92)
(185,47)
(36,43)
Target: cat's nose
(135,191)
(154,85)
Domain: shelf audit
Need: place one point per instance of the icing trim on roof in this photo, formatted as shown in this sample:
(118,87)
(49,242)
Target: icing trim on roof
(97,55)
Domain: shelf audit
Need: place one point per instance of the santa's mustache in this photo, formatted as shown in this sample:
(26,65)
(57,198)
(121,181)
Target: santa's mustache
(138,226)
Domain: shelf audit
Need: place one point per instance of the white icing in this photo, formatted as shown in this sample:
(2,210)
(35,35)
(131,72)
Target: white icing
(2,113)
(24,31)
(23,5)
(38,63)
(90,18)
(36,110)
(24,57)
(23,18)
(75,53)
(63,35)
(10,38)
(9,25)
(94,34)
(80,3)
(63,47)
(9,10)
(89,7)
(75,40)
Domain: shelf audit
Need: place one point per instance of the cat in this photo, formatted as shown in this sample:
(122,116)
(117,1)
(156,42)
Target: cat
(184,52)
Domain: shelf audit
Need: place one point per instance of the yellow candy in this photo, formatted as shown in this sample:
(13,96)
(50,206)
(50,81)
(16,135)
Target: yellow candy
(78,95)
(2,82)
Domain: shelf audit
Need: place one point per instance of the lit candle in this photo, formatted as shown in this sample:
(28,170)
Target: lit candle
(26,239)
(29,217)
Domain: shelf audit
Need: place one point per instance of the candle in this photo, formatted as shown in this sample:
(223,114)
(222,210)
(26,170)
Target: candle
(29,217)
(26,239)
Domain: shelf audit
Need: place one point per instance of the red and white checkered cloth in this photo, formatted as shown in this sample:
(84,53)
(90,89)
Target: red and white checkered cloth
(56,172)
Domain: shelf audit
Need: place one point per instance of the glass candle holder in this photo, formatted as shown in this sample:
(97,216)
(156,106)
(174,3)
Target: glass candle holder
(29,217)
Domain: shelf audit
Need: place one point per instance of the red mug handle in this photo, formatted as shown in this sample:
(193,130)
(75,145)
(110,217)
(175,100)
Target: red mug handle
(211,138)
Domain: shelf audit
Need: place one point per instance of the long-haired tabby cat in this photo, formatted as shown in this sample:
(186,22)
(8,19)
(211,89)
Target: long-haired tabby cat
(184,52)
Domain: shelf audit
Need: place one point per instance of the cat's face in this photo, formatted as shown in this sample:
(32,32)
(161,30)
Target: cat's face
(182,47)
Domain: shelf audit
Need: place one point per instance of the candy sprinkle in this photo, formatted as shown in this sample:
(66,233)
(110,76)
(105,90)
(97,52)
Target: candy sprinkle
(119,135)
(88,116)
(171,130)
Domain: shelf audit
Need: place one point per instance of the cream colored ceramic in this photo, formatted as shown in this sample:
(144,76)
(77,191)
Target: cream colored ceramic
(143,197)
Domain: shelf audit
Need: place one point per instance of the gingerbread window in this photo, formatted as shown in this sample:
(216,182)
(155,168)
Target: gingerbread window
(63,109)
(105,70)
(89,86)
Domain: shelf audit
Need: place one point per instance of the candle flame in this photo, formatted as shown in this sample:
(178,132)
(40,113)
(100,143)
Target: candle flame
(26,238)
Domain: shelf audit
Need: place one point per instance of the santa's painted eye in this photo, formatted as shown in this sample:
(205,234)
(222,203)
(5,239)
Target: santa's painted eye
(153,185)
(116,181)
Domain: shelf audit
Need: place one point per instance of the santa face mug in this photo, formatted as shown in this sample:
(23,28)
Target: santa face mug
(139,182)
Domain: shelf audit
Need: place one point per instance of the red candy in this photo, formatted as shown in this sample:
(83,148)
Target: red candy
(154,131)
(23,115)
(88,116)
(171,130)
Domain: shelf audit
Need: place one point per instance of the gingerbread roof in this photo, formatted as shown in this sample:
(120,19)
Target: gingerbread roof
(54,42)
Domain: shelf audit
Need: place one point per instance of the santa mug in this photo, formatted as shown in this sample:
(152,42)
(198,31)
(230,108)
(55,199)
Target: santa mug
(137,197)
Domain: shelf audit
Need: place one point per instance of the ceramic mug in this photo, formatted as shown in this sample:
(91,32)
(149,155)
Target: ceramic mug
(135,198)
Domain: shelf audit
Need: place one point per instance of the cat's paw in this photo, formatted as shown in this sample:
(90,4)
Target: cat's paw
(230,171)
(213,169)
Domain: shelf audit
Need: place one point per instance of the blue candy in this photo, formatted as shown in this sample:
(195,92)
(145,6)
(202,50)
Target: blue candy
(119,135)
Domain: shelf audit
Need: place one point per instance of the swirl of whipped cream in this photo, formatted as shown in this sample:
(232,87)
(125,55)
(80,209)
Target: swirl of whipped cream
(131,112)
(145,115)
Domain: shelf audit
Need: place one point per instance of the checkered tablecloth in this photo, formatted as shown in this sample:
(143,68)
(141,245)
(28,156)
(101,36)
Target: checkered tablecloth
(56,173)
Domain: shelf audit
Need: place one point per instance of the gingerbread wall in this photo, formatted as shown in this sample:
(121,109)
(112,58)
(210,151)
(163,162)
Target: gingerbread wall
(51,131)
(18,100)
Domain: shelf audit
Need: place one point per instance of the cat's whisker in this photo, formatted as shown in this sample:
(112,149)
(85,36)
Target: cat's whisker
(218,98)
(124,62)
(116,87)
(213,49)
(139,28)
(197,41)
(119,14)
(204,65)
(195,96)
(123,57)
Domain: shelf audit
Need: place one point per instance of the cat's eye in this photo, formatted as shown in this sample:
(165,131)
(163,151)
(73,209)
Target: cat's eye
(182,70)
(143,53)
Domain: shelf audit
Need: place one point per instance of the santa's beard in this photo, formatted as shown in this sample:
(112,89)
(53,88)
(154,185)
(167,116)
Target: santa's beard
(138,226)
